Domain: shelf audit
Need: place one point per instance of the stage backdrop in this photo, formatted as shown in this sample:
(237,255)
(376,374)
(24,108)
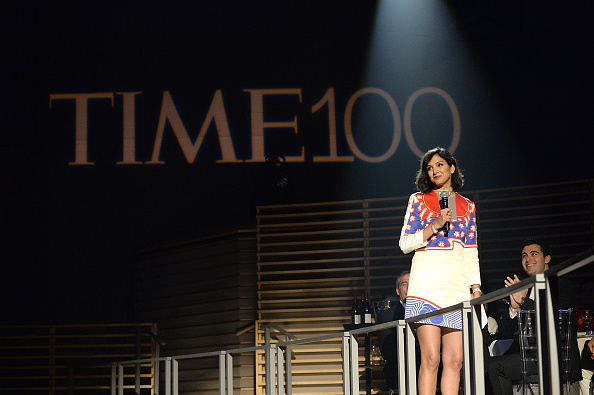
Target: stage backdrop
(135,124)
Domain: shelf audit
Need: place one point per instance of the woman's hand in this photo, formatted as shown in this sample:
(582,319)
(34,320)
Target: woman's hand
(445,215)
(475,291)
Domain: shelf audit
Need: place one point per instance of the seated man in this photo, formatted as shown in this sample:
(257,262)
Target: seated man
(393,310)
(506,370)
(587,364)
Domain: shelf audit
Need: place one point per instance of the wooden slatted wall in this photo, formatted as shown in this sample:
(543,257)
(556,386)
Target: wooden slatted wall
(202,294)
(560,214)
(66,359)
(312,260)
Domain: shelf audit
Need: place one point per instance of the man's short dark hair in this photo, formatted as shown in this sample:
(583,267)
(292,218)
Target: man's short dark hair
(544,247)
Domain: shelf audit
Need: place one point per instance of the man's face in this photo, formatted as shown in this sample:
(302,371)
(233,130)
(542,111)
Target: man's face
(533,260)
(402,289)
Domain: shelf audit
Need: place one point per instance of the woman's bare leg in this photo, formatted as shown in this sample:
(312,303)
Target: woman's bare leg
(452,357)
(430,342)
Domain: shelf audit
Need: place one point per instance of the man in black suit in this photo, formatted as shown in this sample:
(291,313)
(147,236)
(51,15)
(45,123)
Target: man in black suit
(392,309)
(506,370)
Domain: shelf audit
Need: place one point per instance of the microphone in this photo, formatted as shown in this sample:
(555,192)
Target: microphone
(443,203)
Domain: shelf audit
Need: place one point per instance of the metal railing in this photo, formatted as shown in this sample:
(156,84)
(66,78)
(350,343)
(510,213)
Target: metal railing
(117,369)
(278,372)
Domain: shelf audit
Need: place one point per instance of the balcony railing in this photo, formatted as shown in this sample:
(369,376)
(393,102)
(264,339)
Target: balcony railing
(278,371)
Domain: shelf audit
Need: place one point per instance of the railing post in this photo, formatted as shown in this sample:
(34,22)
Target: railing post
(411,361)
(270,369)
(175,376)
(229,373)
(401,353)
(476,344)
(354,362)
(546,339)
(346,364)
(222,373)
(466,349)
(157,367)
(168,376)
(280,376)
(114,367)
(137,367)
(288,369)
(120,379)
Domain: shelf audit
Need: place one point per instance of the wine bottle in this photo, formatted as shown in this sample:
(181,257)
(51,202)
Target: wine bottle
(365,311)
(355,314)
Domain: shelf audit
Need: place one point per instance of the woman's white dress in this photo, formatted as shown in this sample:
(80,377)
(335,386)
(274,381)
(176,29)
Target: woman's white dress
(443,268)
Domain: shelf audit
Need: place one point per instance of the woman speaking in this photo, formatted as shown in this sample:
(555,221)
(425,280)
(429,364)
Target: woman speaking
(440,226)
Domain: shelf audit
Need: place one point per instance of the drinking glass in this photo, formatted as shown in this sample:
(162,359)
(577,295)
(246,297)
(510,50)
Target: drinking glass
(376,356)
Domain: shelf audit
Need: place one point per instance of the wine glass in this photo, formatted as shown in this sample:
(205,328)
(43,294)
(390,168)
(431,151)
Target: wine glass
(376,356)
(587,318)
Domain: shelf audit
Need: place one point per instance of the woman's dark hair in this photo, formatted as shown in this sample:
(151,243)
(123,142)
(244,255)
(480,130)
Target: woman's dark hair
(424,182)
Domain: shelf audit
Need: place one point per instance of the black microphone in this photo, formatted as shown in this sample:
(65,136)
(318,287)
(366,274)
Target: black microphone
(443,203)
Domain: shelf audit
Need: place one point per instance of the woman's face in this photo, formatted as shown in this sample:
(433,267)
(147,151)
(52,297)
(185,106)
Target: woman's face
(439,172)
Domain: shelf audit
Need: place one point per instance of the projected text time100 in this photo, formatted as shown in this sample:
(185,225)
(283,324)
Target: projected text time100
(217,114)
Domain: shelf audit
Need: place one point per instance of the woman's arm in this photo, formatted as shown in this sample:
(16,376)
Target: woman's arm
(414,235)
(411,235)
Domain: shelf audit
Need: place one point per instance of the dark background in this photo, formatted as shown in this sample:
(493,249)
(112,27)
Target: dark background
(519,73)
